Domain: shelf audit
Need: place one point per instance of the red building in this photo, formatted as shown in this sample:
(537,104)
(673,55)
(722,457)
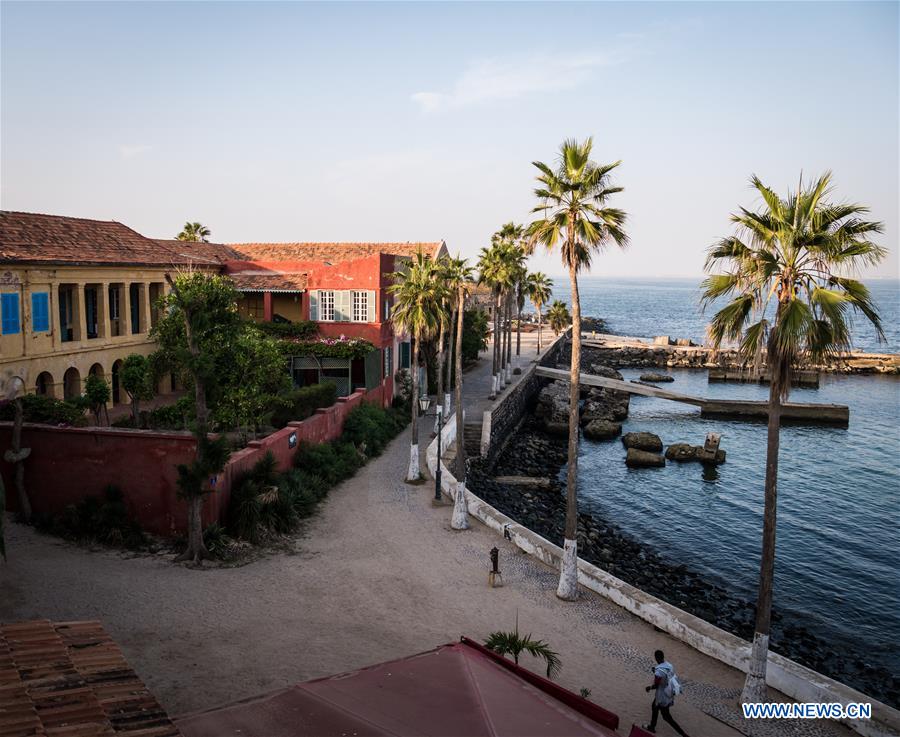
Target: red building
(343,287)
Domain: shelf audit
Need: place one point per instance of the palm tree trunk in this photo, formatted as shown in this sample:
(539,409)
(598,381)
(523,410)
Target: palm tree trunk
(460,519)
(17,456)
(412,473)
(509,314)
(495,386)
(519,333)
(439,396)
(448,380)
(540,326)
(502,341)
(568,574)
(754,690)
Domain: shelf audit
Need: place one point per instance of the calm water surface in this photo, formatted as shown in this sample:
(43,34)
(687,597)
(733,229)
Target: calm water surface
(838,543)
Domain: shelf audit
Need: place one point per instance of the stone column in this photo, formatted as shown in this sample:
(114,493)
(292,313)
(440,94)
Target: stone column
(104,330)
(267,306)
(55,325)
(145,307)
(125,308)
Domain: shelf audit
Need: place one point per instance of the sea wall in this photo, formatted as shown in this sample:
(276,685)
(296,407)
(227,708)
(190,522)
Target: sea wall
(630,353)
(791,678)
(500,422)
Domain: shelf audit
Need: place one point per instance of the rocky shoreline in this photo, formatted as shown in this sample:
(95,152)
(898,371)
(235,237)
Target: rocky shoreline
(533,459)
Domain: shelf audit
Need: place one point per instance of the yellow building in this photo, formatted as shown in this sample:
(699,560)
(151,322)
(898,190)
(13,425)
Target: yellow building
(77,296)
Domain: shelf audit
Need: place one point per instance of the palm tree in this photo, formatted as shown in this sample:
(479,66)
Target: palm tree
(458,278)
(558,316)
(492,272)
(790,257)
(194,232)
(575,218)
(417,300)
(446,297)
(507,240)
(538,288)
(512,643)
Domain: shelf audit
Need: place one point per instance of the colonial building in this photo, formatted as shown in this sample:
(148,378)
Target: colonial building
(77,296)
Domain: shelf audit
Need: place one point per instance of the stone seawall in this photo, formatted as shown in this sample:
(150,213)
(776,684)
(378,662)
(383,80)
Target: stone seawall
(630,353)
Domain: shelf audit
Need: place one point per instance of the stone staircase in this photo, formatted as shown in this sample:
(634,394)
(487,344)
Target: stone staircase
(472,438)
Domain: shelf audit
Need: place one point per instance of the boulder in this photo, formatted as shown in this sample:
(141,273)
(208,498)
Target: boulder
(602,430)
(607,372)
(684,342)
(682,452)
(642,441)
(657,378)
(553,403)
(663,340)
(559,429)
(643,459)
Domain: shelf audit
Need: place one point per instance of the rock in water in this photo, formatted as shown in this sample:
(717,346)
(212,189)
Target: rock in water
(682,452)
(643,459)
(657,378)
(602,430)
(642,441)
(607,372)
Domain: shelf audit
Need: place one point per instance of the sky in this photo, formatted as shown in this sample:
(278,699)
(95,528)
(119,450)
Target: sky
(420,121)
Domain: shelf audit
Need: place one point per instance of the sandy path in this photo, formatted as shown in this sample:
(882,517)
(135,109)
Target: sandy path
(379,575)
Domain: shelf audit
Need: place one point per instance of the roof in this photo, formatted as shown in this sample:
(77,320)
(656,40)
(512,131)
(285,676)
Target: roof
(456,689)
(329,251)
(70,679)
(198,251)
(261,281)
(27,237)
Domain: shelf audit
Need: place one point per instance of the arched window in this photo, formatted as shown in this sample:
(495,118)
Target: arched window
(44,384)
(72,383)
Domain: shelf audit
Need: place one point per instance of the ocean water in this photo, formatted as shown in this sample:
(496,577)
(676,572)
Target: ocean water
(644,308)
(838,539)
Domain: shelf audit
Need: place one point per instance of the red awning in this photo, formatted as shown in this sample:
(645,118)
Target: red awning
(457,690)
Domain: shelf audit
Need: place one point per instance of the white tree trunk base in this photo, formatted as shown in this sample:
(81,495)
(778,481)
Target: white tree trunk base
(509,373)
(460,519)
(447,405)
(568,572)
(754,691)
(413,473)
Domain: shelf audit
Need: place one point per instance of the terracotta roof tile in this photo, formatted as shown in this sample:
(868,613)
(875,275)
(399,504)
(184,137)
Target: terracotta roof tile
(53,239)
(328,251)
(70,678)
(268,282)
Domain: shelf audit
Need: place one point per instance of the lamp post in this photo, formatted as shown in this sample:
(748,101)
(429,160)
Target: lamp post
(424,401)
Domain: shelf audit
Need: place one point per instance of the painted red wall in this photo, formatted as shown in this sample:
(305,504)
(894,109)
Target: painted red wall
(70,463)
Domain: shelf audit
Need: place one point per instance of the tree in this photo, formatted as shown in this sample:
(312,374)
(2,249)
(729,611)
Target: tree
(137,381)
(417,305)
(254,375)
(442,266)
(512,643)
(15,455)
(558,316)
(195,232)
(509,242)
(491,272)
(538,288)
(790,257)
(457,269)
(201,319)
(458,279)
(96,393)
(575,219)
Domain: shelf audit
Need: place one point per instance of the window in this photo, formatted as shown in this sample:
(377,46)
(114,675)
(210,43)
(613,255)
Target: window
(113,303)
(404,355)
(360,307)
(40,312)
(342,305)
(9,313)
(90,311)
(387,309)
(326,306)
(134,299)
(388,361)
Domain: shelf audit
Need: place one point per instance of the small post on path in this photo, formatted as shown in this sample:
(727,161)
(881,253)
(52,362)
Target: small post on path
(495,578)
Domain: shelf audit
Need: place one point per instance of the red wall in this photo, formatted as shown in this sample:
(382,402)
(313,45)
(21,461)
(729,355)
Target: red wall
(70,463)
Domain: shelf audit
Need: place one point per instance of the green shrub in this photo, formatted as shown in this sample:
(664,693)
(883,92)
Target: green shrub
(260,503)
(47,411)
(176,416)
(370,428)
(102,519)
(302,329)
(298,404)
(217,540)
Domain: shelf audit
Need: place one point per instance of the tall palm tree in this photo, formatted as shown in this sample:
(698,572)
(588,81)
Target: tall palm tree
(196,232)
(508,240)
(538,288)
(792,258)
(492,272)
(446,298)
(417,300)
(458,279)
(575,218)
(558,316)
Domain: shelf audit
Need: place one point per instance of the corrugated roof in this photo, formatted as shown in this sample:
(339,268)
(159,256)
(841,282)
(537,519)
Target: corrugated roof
(70,679)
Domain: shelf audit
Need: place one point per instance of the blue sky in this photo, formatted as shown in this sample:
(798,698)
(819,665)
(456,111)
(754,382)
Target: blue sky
(292,121)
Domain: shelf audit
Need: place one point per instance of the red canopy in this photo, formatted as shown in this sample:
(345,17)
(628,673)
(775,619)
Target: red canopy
(456,690)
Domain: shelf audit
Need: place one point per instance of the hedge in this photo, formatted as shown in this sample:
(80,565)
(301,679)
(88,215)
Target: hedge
(303,402)
(47,411)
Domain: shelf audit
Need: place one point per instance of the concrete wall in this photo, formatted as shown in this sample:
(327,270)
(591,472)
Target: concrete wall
(70,463)
(792,679)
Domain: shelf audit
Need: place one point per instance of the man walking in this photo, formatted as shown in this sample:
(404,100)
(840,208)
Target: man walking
(665,682)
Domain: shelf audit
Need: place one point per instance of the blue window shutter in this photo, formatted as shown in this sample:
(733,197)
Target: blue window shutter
(9,306)
(314,305)
(404,355)
(40,312)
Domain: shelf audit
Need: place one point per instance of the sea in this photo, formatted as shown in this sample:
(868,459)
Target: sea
(837,567)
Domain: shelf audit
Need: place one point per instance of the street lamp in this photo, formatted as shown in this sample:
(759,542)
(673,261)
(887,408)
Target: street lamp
(424,402)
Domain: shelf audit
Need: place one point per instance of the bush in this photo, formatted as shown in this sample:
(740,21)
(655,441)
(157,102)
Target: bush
(370,428)
(47,411)
(260,504)
(102,519)
(176,416)
(332,462)
(302,329)
(298,404)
